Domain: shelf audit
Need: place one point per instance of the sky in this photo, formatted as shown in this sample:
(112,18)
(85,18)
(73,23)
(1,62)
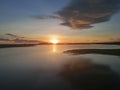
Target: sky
(74,21)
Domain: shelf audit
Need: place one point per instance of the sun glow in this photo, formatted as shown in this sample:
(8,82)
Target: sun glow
(54,41)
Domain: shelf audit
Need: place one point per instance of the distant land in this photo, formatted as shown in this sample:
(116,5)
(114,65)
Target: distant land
(107,43)
(115,52)
(29,45)
(15,45)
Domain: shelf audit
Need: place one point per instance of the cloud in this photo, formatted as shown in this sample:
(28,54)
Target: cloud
(115,39)
(24,41)
(4,39)
(42,17)
(13,35)
(39,17)
(17,39)
(81,14)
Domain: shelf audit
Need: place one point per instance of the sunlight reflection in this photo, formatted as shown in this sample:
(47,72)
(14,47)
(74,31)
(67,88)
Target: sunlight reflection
(54,49)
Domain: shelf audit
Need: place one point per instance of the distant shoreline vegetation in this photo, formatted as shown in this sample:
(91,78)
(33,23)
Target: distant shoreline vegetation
(28,45)
(115,52)
(15,45)
(105,43)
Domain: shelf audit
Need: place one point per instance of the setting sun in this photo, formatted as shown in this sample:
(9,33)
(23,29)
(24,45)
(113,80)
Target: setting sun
(54,41)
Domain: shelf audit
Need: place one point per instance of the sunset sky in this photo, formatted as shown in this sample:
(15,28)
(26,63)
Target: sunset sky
(66,20)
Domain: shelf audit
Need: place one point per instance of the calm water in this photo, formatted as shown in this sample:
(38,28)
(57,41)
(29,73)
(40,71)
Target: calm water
(46,67)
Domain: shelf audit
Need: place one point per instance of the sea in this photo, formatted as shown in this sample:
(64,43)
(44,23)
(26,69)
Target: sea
(47,67)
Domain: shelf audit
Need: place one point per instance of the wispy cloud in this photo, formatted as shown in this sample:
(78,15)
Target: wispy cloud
(39,17)
(4,39)
(13,35)
(115,39)
(24,41)
(17,39)
(42,17)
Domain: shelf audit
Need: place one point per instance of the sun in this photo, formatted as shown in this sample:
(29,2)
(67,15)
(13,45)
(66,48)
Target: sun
(54,41)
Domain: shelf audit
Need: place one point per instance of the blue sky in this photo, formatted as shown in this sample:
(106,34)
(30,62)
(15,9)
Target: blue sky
(12,10)
(16,18)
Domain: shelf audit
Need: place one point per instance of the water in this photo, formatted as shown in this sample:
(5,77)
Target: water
(46,67)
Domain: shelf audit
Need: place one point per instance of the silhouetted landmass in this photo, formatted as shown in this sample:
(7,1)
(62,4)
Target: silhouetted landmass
(115,52)
(109,43)
(16,45)
(83,74)
(45,43)
(105,43)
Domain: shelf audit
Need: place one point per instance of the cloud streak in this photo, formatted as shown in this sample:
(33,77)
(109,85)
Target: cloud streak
(17,39)
(13,35)
(4,39)
(24,41)
(42,17)
(81,14)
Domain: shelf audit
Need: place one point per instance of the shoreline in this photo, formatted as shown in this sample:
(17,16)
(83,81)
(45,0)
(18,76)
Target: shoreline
(29,45)
(15,45)
(115,52)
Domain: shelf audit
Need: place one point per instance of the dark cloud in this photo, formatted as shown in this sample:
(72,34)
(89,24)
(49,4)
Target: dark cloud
(13,35)
(4,39)
(24,41)
(18,39)
(81,14)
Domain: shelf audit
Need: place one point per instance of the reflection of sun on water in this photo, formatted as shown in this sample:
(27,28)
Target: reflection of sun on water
(54,42)
(54,49)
